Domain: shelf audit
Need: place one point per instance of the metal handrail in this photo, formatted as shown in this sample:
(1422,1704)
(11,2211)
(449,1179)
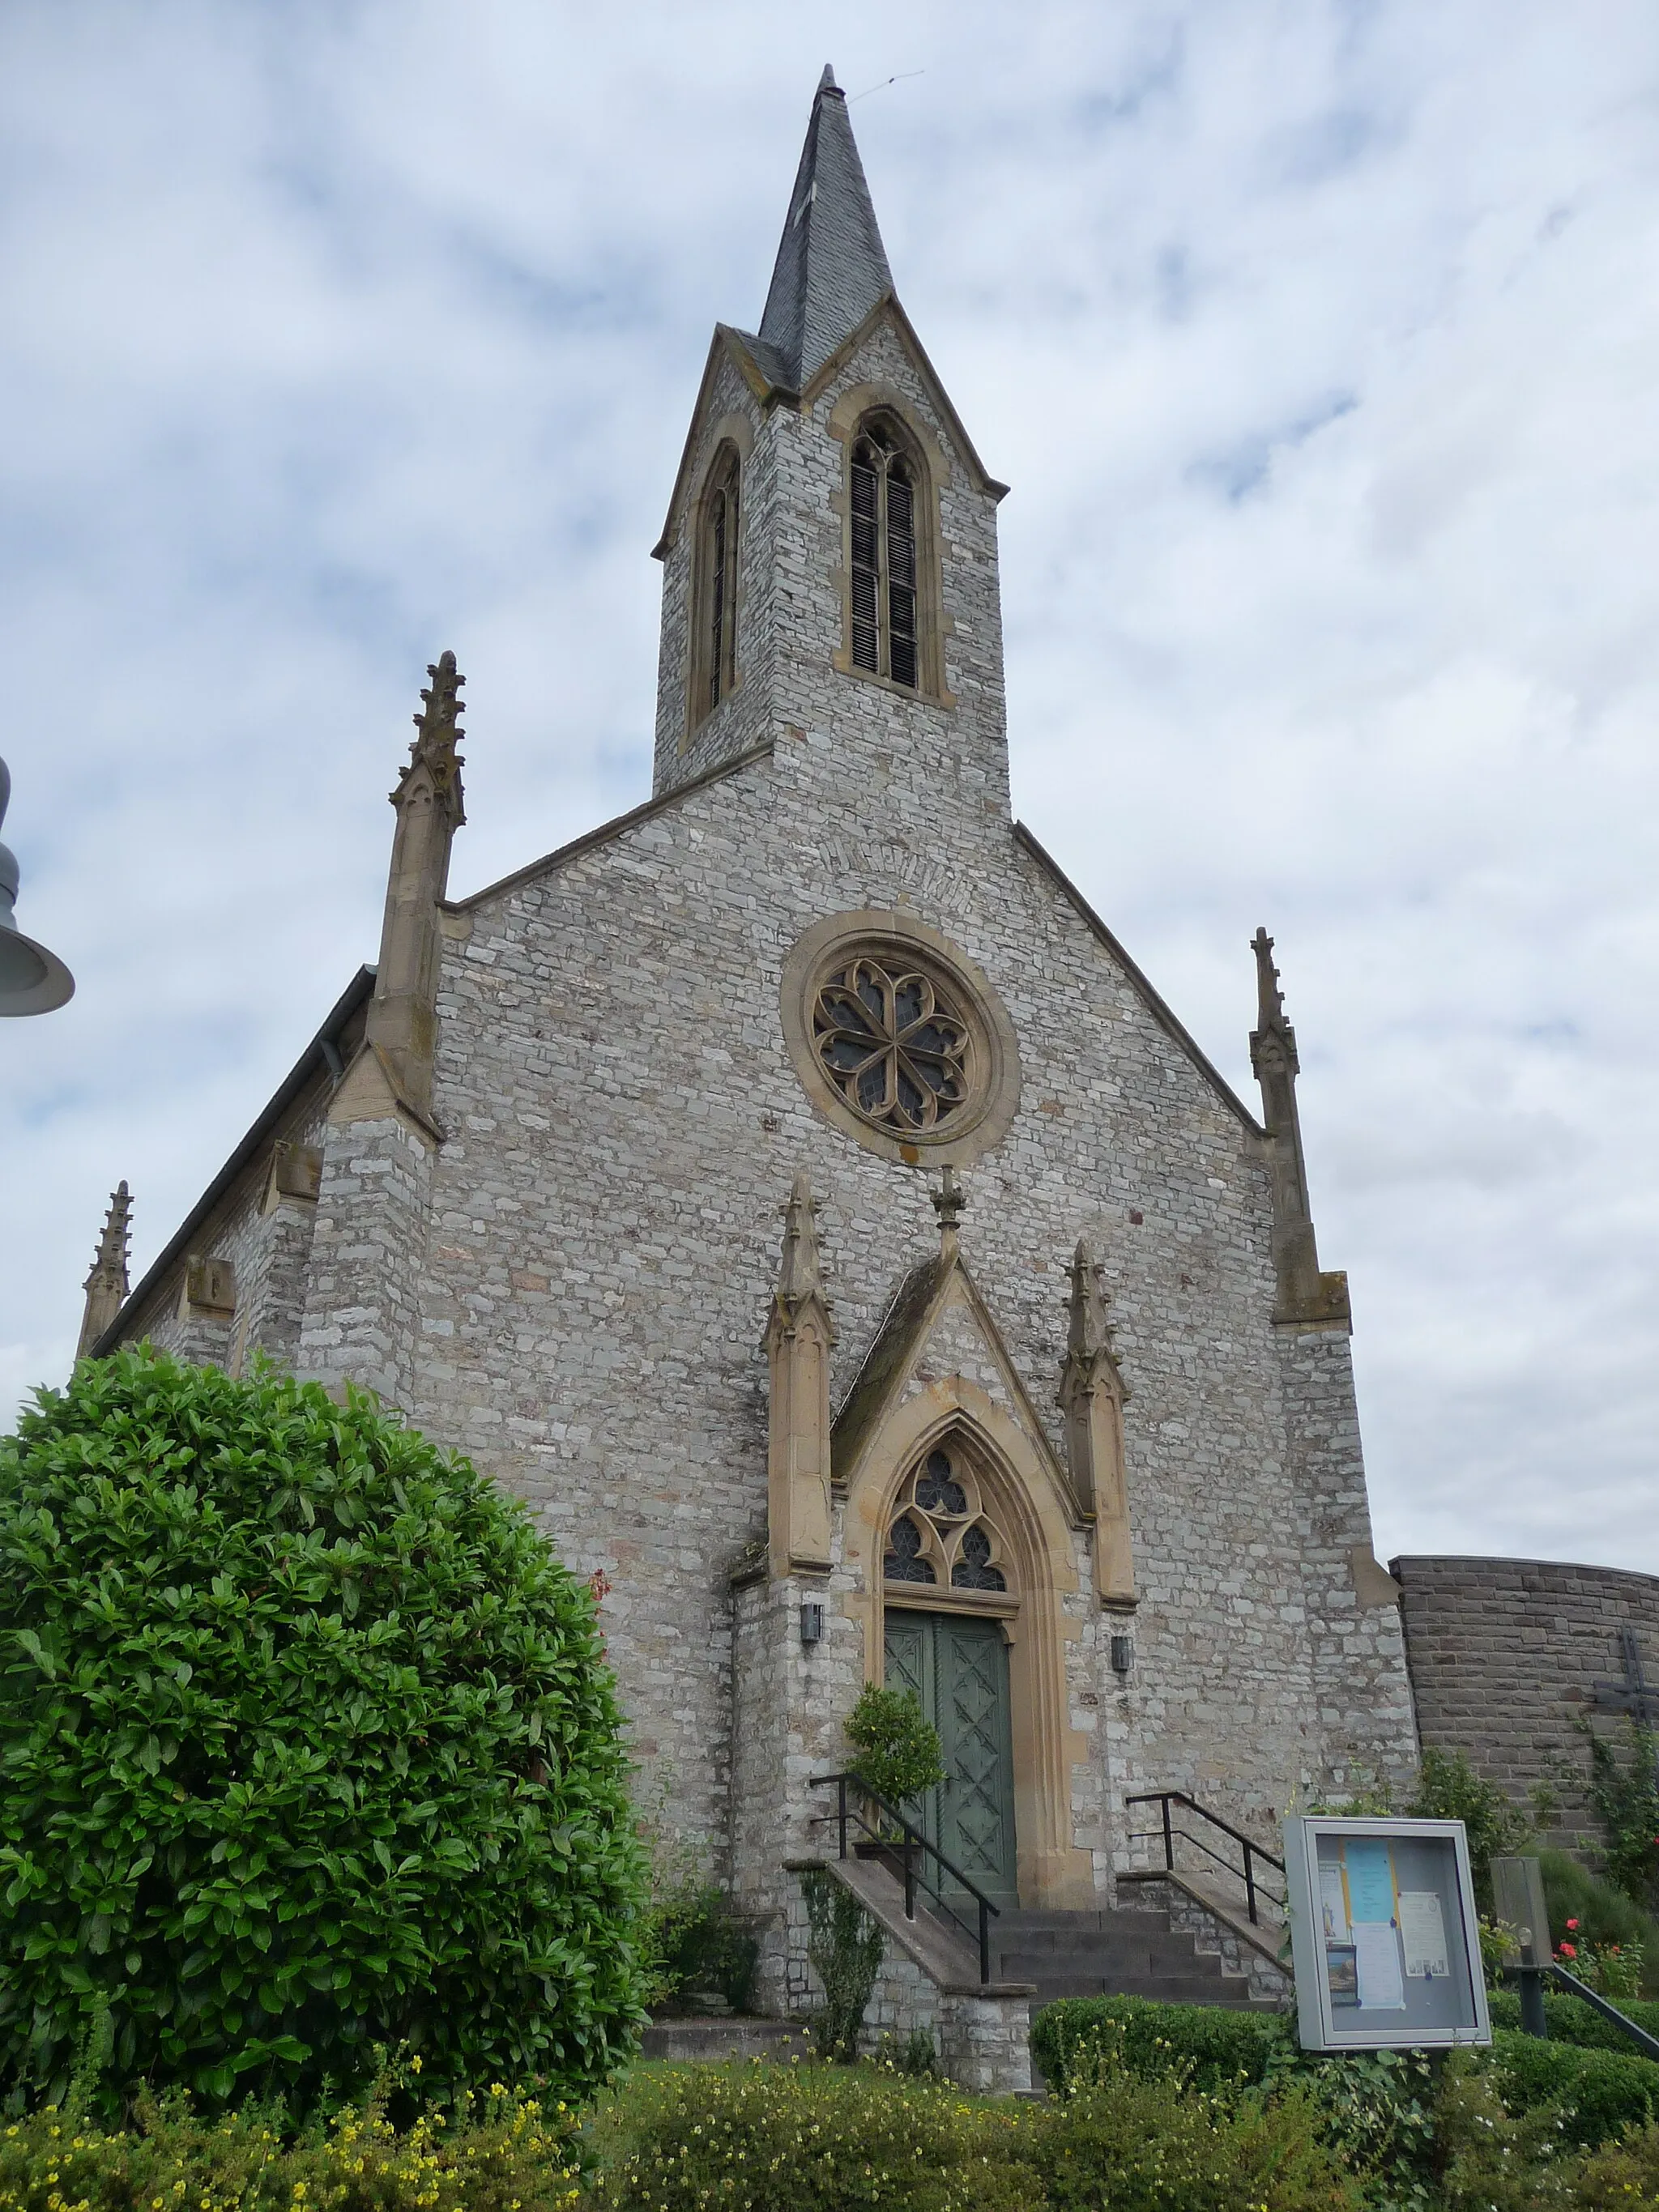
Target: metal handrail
(1169,1831)
(910,1836)
(1532,1972)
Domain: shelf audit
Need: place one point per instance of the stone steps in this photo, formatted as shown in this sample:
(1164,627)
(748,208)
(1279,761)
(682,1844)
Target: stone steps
(732,2037)
(1109,1952)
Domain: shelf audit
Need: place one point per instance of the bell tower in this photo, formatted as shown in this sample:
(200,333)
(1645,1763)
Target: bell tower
(830,559)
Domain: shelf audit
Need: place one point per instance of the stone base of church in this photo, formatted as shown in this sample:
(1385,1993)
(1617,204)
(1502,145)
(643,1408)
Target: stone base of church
(981,2033)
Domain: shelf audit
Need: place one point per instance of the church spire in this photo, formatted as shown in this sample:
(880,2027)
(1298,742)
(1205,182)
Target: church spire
(832,268)
(403,1015)
(107,1285)
(1304,1294)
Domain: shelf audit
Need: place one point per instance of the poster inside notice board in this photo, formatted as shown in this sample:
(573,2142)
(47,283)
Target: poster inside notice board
(1392,1933)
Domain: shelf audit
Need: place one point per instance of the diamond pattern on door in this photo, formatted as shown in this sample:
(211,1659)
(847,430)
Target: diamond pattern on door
(975,1677)
(957,1668)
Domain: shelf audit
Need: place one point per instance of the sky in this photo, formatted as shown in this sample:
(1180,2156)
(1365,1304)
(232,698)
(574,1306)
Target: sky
(1319,344)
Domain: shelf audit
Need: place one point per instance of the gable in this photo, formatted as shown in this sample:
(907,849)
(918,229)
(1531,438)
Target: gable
(938,1348)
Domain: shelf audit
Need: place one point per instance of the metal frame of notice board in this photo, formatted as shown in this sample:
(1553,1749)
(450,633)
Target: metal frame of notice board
(1384,1935)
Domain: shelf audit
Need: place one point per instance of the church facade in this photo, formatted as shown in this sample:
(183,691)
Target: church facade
(793,1192)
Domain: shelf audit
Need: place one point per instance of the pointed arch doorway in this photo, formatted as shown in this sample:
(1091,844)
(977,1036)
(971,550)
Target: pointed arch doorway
(955,1666)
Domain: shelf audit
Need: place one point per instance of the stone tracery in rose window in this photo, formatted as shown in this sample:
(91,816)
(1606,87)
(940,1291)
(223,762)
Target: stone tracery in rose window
(892,1040)
(940,1534)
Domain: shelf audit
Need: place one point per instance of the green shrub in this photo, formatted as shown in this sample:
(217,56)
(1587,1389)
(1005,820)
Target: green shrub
(1621,2176)
(1571,2020)
(1220,2049)
(774,2138)
(895,1748)
(1596,2093)
(860,2139)
(696,1944)
(1448,1789)
(844,1946)
(1120,2143)
(306,1743)
(1624,1790)
(495,2153)
(1604,1913)
(1491,2158)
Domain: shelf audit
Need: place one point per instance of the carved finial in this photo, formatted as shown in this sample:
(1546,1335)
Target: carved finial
(1088,1330)
(1305,1292)
(439,730)
(800,1275)
(949,1202)
(107,1285)
(1089,1321)
(1092,1397)
(1270,999)
(113,1244)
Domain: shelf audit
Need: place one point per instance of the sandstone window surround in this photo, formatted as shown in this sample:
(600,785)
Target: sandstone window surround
(715,587)
(899,1039)
(941,1536)
(893,621)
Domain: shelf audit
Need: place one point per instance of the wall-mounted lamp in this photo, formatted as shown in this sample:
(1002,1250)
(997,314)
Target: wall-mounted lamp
(811,1625)
(1123,1654)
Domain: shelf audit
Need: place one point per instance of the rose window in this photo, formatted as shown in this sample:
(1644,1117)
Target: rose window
(939,1532)
(894,1044)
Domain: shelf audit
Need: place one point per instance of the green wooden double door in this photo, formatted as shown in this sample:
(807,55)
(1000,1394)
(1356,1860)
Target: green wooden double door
(957,1666)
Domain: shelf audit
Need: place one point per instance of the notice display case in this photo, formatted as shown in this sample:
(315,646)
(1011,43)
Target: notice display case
(1384,1935)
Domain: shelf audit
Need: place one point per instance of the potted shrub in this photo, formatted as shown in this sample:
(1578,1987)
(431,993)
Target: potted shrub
(896,1754)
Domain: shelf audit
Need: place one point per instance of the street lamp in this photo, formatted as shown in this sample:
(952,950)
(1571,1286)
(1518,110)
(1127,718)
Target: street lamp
(32,979)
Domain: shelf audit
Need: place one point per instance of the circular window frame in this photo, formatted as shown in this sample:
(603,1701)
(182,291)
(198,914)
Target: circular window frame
(986,1117)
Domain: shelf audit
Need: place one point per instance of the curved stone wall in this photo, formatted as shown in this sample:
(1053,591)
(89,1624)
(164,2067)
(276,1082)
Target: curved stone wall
(1505,1657)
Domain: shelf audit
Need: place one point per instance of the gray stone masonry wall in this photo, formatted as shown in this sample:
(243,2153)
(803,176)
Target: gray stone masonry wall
(363,1321)
(269,1247)
(790,605)
(788,1704)
(1503,1653)
(1358,1650)
(572,1288)
(983,2043)
(624,1125)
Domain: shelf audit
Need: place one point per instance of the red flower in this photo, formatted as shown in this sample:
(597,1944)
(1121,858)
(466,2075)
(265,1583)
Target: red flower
(1569,1950)
(1572,1923)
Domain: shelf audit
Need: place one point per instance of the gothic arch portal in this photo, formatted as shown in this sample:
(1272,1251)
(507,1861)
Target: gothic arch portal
(1040,1610)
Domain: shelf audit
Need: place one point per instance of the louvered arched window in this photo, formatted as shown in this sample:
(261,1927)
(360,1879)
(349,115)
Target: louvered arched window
(715,638)
(884,512)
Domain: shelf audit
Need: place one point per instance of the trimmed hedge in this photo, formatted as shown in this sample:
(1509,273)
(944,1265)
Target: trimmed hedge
(1571,2020)
(1597,2094)
(1224,2048)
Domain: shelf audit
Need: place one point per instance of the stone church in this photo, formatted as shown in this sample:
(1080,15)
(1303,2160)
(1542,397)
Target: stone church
(795,1192)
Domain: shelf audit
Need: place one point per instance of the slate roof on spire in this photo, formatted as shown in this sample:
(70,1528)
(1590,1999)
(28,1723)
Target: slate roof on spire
(831,267)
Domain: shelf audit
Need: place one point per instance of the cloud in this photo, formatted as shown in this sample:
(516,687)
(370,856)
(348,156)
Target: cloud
(1315,342)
